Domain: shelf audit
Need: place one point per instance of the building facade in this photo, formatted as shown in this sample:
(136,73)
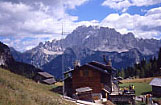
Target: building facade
(94,75)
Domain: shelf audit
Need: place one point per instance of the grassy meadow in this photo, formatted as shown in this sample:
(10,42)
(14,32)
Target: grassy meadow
(18,90)
(140,88)
(141,85)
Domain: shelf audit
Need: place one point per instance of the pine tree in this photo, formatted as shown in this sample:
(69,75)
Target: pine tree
(122,73)
(159,62)
(142,73)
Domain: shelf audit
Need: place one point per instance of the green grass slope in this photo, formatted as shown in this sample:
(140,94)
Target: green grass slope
(141,85)
(18,90)
(140,88)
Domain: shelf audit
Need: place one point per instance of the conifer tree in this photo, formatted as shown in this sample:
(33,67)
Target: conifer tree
(159,62)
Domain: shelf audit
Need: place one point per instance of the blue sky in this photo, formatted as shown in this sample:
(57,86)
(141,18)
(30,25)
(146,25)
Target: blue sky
(26,23)
(91,11)
(94,10)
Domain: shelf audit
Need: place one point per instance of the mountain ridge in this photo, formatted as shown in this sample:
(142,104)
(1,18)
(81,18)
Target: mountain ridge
(7,61)
(119,60)
(87,40)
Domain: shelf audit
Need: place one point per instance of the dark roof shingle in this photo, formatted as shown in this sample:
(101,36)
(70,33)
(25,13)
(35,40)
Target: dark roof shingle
(100,65)
(45,74)
(97,66)
(49,81)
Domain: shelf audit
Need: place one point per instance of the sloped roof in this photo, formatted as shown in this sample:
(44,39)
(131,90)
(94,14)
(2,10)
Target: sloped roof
(45,74)
(49,81)
(100,65)
(97,66)
(66,72)
(68,77)
(83,89)
(156,82)
(103,66)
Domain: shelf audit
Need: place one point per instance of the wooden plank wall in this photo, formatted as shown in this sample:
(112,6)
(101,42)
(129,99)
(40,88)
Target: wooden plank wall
(93,80)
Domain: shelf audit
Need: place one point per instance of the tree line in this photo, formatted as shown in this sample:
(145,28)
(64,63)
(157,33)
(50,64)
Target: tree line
(143,69)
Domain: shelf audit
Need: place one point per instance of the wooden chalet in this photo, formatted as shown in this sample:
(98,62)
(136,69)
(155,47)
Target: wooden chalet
(45,77)
(94,75)
(156,87)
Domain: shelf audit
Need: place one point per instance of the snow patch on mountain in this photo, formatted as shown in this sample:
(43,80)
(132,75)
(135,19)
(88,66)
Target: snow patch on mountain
(2,61)
(52,52)
(112,49)
(87,37)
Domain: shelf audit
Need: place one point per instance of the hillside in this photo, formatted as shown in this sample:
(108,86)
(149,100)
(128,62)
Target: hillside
(8,62)
(18,90)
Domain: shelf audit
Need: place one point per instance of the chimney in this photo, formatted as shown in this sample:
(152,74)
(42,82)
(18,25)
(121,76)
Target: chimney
(109,63)
(76,64)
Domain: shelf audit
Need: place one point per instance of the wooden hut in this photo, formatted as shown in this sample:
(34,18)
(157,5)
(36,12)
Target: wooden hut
(49,81)
(156,87)
(45,77)
(94,75)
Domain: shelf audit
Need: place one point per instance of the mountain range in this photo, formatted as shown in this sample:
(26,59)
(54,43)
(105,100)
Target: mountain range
(8,62)
(86,44)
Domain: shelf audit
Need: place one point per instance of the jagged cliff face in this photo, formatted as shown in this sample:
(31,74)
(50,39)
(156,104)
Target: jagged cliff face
(101,39)
(7,61)
(106,39)
(90,43)
(94,38)
(5,55)
(39,55)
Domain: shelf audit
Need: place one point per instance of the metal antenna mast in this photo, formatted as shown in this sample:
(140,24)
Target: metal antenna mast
(62,60)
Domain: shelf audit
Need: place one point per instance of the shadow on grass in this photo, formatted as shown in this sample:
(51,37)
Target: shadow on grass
(144,93)
(58,89)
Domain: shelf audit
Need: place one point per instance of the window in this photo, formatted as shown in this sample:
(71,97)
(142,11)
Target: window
(85,73)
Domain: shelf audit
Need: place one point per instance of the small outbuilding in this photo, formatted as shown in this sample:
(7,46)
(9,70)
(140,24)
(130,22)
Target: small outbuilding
(156,87)
(84,93)
(45,77)
(49,81)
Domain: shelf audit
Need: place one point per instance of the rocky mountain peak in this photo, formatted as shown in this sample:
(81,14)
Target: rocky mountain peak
(92,41)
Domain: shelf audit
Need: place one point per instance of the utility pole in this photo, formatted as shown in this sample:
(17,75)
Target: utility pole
(62,60)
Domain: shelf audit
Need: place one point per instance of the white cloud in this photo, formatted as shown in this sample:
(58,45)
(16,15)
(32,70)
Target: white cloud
(22,19)
(117,4)
(147,26)
(145,2)
(119,21)
(42,20)
(25,19)
(73,3)
(124,4)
